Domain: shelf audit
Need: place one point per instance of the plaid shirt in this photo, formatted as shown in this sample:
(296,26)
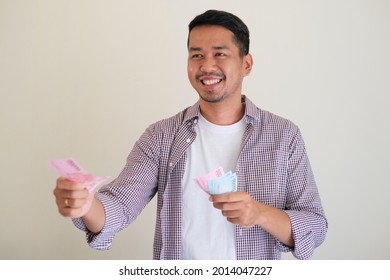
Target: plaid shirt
(272,167)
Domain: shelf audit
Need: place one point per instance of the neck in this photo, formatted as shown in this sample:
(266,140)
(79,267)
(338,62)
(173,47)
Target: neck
(223,113)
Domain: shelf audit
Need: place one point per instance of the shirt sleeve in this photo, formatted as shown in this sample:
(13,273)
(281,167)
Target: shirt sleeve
(303,205)
(125,197)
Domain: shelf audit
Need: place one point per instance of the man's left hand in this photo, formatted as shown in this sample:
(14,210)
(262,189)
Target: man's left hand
(238,207)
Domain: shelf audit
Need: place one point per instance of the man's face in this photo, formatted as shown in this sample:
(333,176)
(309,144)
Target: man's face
(215,68)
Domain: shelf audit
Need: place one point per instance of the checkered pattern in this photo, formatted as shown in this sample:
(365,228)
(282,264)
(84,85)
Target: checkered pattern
(273,168)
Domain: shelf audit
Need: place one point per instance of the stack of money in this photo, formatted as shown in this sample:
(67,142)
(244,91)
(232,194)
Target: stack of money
(218,182)
(70,169)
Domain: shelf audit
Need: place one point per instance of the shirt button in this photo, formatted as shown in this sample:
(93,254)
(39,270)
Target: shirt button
(171,164)
(188,140)
(196,121)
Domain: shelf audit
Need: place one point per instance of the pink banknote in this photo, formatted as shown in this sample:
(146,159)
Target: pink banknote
(72,170)
(202,181)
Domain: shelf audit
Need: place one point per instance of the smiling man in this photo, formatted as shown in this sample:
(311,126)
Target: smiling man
(216,69)
(276,207)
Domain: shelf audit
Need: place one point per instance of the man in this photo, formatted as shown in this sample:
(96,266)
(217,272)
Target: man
(277,207)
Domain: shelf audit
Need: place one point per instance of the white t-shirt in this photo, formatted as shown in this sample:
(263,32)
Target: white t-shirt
(206,232)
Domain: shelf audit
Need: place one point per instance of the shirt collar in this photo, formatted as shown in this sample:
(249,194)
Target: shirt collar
(251,111)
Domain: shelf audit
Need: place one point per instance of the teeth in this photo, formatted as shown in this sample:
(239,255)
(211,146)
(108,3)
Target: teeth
(211,82)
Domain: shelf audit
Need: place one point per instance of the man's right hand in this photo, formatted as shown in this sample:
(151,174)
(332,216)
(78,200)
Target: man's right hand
(76,201)
(73,200)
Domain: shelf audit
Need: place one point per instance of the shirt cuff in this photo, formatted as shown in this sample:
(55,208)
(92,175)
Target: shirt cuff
(302,233)
(103,239)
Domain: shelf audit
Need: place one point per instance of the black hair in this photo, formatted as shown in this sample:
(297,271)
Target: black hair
(229,21)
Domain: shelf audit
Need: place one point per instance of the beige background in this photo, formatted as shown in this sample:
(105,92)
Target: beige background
(85,78)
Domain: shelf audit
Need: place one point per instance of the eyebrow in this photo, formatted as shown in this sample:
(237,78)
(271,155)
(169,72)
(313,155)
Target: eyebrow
(217,48)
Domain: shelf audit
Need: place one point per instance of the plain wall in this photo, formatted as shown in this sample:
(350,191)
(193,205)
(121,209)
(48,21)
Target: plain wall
(85,78)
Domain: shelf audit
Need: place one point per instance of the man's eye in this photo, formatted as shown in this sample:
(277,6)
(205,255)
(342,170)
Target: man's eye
(197,56)
(220,54)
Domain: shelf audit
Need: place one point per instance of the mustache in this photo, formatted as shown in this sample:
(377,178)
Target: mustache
(200,76)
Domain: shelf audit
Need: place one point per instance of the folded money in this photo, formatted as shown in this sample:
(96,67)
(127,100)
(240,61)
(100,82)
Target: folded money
(70,169)
(202,180)
(217,182)
(225,183)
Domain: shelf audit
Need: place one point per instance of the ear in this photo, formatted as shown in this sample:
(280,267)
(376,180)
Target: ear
(248,63)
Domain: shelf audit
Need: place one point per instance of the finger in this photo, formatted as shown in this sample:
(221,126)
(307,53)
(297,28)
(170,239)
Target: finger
(71,199)
(231,214)
(71,203)
(65,184)
(228,197)
(63,197)
(241,222)
(81,194)
(228,206)
(237,221)
(71,212)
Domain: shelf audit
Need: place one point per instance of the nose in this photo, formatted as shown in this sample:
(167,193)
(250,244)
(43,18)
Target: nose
(208,64)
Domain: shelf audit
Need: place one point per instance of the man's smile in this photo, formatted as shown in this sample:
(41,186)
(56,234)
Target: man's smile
(210,79)
(211,82)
